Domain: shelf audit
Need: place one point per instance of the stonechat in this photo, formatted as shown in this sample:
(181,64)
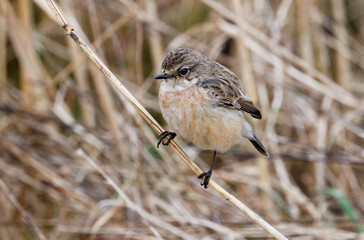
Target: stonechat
(204,103)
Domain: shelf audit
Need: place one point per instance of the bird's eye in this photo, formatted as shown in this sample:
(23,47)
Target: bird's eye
(184,72)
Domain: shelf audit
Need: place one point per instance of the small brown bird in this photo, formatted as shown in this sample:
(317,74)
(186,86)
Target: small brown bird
(204,103)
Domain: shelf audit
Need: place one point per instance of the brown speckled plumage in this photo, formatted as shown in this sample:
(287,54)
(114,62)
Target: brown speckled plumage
(219,81)
(204,103)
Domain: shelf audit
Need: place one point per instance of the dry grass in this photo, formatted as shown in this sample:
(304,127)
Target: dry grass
(302,62)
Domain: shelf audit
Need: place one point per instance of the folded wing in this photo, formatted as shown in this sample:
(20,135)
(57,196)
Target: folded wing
(229,95)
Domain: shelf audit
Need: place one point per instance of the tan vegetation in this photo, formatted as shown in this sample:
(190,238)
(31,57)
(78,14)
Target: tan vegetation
(77,161)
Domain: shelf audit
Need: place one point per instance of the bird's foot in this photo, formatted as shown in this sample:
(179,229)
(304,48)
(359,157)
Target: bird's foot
(206,176)
(165,138)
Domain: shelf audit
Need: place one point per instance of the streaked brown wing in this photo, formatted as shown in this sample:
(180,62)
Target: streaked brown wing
(229,96)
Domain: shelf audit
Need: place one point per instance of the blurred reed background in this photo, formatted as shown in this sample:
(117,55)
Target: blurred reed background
(301,62)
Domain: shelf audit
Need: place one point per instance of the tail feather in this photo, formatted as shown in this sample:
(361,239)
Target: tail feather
(249,134)
(259,146)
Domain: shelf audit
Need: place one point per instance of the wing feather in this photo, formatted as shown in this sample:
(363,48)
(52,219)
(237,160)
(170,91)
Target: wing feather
(229,96)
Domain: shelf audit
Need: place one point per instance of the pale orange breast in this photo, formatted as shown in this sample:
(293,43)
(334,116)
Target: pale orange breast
(194,116)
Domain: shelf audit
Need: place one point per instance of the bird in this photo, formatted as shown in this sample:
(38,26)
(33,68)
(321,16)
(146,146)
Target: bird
(203,102)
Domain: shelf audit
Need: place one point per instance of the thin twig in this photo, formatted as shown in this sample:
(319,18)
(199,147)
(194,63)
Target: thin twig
(152,122)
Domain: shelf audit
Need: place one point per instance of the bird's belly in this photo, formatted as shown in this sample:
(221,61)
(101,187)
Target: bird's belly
(192,115)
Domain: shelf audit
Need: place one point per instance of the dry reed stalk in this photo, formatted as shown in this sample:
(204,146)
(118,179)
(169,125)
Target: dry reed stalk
(117,84)
(102,220)
(29,61)
(313,79)
(104,94)
(87,110)
(289,189)
(22,176)
(3,58)
(304,8)
(327,87)
(280,168)
(6,213)
(50,176)
(317,232)
(321,140)
(323,122)
(354,184)
(155,40)
(341,64)
(294,195)
(249,84)
(96,44)
(107,106)
(139,53)
(243,53)
(150,135)
(278,75)
(27,217)
(152,219)
(304,30)
(26,83)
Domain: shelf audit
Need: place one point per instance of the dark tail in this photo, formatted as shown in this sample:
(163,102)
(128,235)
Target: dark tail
(259,146)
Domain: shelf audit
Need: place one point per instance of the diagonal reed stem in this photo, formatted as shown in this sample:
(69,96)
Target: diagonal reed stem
(153,123)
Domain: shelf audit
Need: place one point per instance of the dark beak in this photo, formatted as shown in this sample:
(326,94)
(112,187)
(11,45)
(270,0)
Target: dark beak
(162,76)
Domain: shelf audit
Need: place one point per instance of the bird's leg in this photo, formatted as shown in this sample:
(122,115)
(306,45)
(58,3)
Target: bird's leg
(166,137)
(207,175)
